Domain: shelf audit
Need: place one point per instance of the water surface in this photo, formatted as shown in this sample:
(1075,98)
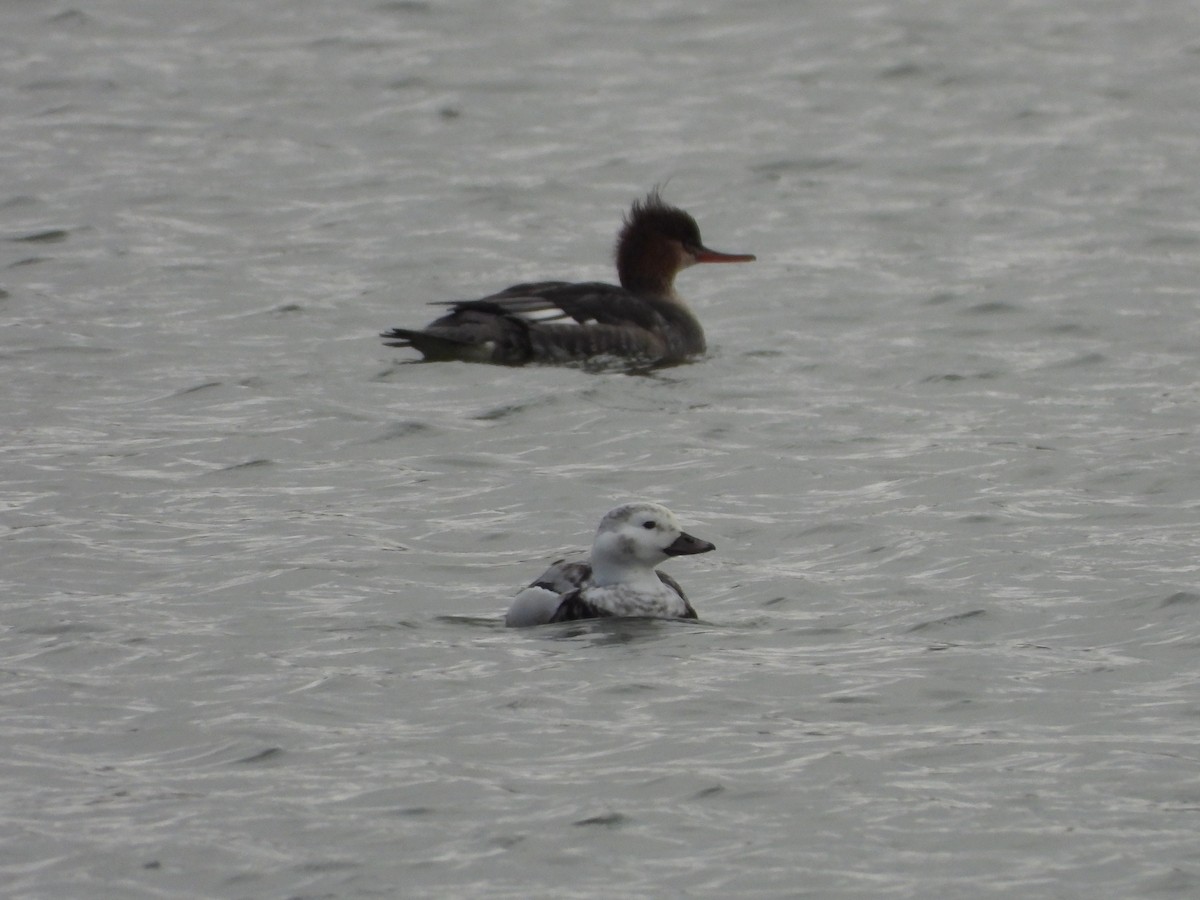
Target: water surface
(945,442)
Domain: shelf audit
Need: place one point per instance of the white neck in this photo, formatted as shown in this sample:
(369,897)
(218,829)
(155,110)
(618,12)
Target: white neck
(605,573)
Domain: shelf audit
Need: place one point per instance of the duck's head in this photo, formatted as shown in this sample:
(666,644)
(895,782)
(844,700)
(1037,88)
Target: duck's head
(658,240)
(640,536)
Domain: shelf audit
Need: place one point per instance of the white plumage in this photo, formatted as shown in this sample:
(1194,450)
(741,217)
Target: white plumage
(619,578)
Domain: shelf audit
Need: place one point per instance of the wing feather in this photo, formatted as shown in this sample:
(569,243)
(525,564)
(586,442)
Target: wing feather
(592,301)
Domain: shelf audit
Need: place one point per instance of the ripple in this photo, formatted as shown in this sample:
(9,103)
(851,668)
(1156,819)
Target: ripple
(51,236)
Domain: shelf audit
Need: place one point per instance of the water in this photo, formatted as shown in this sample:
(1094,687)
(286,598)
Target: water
(254,562)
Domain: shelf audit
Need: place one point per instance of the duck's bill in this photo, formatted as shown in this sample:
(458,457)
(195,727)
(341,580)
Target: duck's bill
(686,545)
(714,256)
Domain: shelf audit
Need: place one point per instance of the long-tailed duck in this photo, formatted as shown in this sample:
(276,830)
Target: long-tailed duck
(619,578)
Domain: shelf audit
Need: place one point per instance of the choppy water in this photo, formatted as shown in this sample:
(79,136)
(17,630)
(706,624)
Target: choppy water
(946,444)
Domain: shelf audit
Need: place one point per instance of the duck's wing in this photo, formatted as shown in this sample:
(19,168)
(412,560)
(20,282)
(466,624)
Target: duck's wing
(538,603)
(559,322)
(670,582)
(565,575)
(573,607)
(566,303)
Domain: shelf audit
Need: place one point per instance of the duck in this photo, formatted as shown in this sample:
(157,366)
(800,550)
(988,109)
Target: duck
(619,578)
(641,321)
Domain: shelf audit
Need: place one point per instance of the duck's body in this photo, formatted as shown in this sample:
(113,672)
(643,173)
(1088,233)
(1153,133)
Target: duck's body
(643,320)
(619,578)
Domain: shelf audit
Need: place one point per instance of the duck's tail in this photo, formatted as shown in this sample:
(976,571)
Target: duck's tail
(434,347)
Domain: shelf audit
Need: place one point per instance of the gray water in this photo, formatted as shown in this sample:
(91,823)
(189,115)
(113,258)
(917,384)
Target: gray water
(253,561)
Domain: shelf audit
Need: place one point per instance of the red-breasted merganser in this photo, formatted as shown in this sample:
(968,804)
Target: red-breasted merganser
(619,578)
(643,320)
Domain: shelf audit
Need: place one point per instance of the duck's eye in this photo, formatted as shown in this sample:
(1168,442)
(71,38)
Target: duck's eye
(649,523)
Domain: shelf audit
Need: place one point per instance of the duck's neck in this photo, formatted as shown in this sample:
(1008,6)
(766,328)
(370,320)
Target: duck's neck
(605,574)
(649,284)
(646,265)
